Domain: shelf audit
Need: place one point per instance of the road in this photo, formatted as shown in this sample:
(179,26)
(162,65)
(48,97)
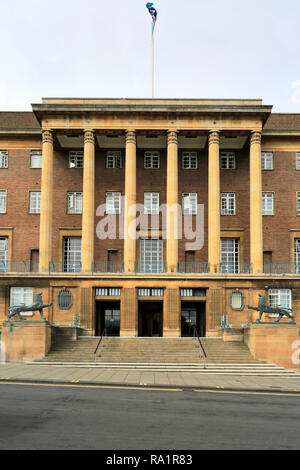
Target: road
(60,417)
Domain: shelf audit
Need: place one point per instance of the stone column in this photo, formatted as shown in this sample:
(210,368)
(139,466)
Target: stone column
(129,312)
(130,203)
(172,202)
(256,224)
(88,202)
(172,313)
(214,199)
(45,250)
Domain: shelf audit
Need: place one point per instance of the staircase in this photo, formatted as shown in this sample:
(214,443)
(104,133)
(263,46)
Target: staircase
(160,354)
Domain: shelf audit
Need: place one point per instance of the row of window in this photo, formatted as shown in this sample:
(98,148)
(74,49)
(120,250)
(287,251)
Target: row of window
(228,203)
(151,203)
(151,255)
(151,160)
(149,292)
(35,159)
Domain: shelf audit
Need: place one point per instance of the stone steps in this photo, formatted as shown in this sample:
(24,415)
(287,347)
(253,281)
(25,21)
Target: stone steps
(147,350)
(161,355)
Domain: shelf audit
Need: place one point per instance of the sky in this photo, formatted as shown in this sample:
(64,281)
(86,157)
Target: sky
(97,48)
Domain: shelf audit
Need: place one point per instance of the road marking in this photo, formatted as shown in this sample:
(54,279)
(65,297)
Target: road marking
(232,392)
(109,387)
(140,388)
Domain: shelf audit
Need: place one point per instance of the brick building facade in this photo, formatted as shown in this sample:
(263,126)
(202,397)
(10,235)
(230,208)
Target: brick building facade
(231,164)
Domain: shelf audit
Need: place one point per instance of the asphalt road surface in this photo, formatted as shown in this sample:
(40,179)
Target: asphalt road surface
(42,417)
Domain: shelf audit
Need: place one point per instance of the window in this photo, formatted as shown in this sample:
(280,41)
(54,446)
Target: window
(151,255)
(193,292)
(227,203)
(267,203)
(21,295)
(2,202)
(146,292)
(227,160)
(298,161)
(72,255)
(282,297)
(267,161)
(36,159)
(229,255)
(76,159)
(113,203)
(151,203)
(74,202)
(237,300)
(34,202)
(151,160)
(3,254)
(189,160)
(297,255)
(108,292)
(64,299)
(298,203)
(114,159)
(189,203)
(3,158)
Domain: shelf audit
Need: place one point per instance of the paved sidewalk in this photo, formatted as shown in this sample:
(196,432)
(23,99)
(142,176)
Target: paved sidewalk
(91,376)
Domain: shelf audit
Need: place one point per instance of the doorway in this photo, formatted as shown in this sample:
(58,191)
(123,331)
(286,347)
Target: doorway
(193,314)
(151,319)
(108,317)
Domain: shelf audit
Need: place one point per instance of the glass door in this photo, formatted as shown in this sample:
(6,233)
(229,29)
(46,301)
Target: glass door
(112,322)
(188,321)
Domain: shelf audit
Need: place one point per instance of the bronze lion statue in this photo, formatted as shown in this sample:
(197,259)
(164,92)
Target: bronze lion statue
(263,307)
(37,305)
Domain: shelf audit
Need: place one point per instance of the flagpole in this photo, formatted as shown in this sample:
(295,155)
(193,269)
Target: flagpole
(153,65)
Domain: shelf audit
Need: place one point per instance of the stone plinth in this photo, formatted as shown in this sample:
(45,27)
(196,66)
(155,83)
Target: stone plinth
(274,343)
(233,334)
(26,340)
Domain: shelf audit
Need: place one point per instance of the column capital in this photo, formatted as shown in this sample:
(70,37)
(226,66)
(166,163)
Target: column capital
(255,137)
(47,136)
(214,137)
(130,135)
(89,136)
(172,136)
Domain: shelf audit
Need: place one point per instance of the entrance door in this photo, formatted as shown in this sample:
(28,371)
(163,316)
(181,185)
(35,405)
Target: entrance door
(108,316)
(193,314)
(112,322)
(188,321)
(150,319)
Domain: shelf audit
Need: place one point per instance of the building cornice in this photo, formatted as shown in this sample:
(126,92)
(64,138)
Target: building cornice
(218,108)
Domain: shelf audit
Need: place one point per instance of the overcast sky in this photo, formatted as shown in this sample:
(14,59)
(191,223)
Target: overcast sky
(98,48)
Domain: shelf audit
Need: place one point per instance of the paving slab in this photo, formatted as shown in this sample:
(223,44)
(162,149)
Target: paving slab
(133,377)
(176,379)
(147,378)
(68,374)
(161,378)
(119,377)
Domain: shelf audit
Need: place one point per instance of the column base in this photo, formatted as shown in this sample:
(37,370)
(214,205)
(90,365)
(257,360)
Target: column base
(172,333)
(128,334)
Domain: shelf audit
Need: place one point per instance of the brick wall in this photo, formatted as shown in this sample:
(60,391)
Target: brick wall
(18,179)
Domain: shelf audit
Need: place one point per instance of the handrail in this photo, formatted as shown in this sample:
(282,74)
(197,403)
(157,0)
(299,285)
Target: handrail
(202,350)
(98,346)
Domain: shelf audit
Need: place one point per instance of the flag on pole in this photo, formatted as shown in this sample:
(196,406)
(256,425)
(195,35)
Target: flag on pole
(153,13)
